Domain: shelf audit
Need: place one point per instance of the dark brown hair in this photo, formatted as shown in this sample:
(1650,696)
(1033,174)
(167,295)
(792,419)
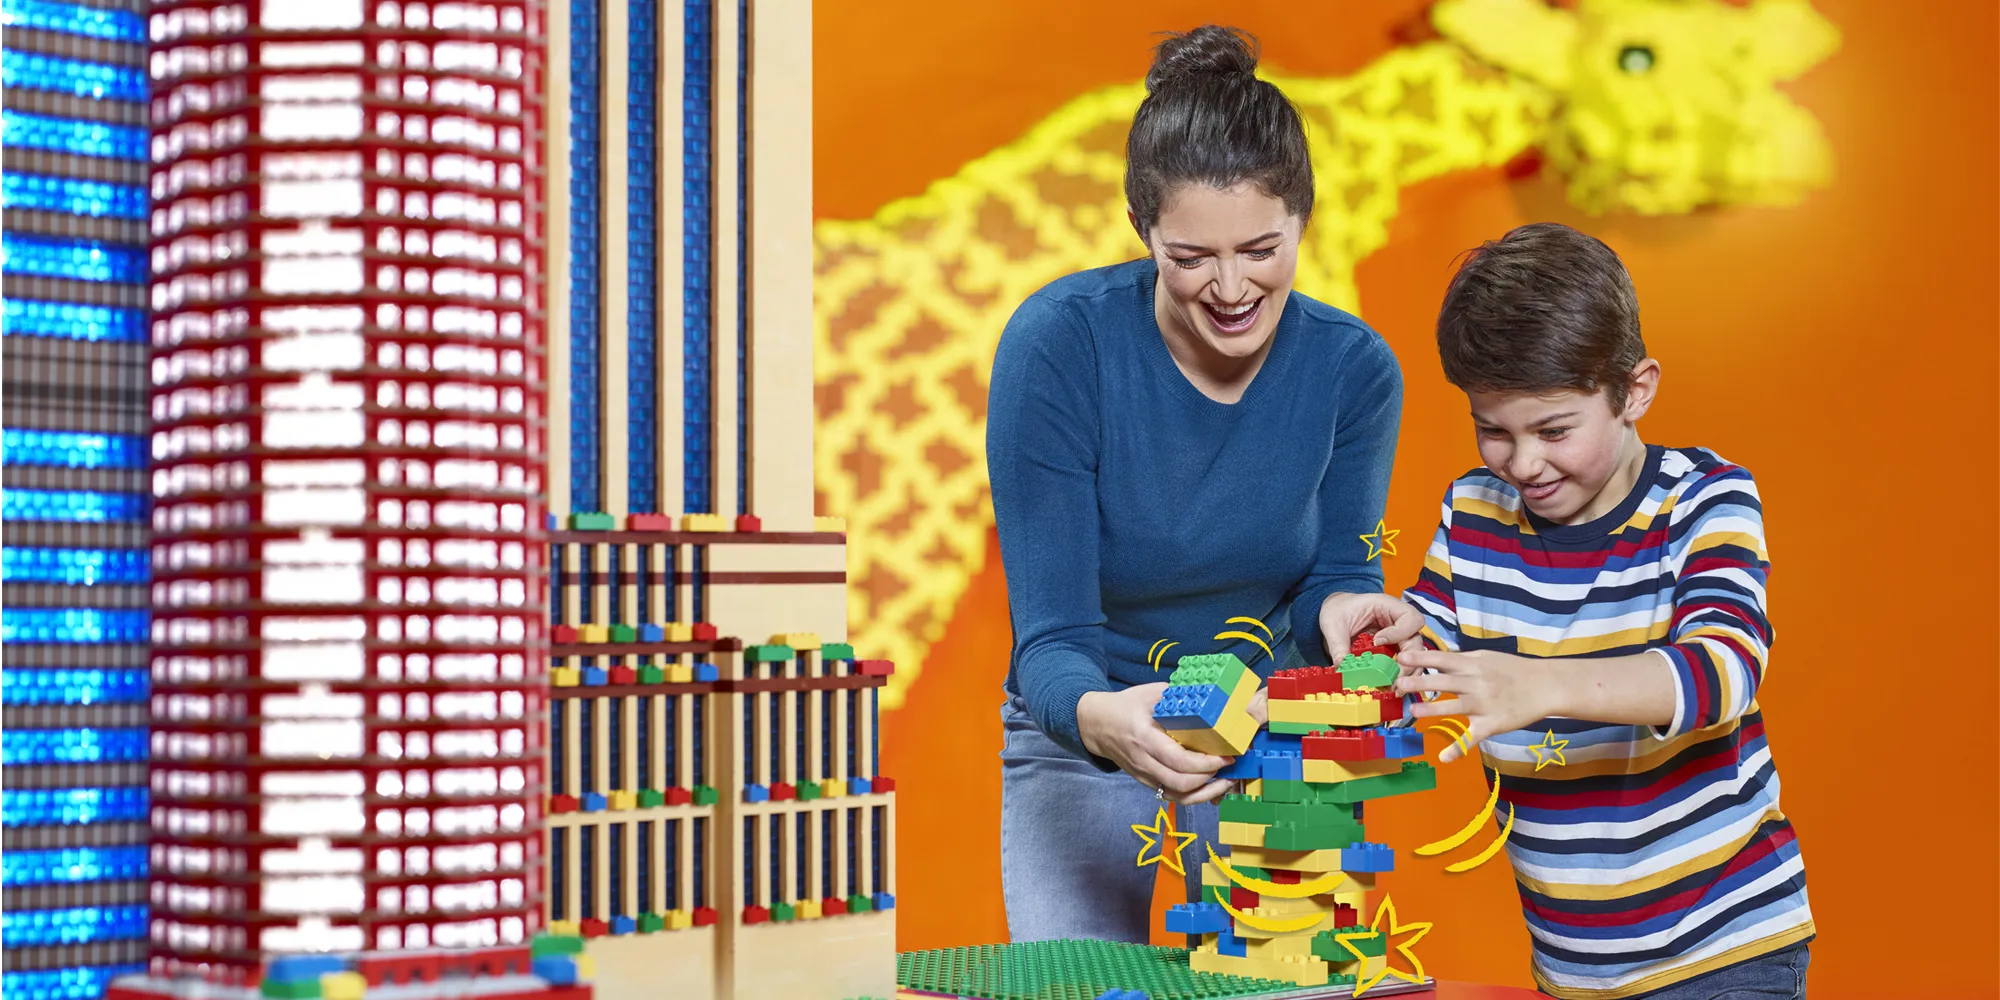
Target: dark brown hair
(1208,119)
(1542,309)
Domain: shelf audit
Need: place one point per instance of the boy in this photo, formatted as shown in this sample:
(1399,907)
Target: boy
(1587,587)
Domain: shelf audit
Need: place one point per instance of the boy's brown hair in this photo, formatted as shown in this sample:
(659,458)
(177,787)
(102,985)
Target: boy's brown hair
(1542,309)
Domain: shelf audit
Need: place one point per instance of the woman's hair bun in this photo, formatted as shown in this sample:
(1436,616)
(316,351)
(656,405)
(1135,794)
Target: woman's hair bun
(1210,50)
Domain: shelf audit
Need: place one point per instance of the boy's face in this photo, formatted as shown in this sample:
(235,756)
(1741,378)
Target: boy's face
(1572,457)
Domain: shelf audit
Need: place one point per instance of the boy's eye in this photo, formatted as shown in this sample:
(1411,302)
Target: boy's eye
(1554,433)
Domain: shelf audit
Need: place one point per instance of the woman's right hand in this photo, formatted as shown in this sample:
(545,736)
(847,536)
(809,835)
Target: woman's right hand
(1119,725)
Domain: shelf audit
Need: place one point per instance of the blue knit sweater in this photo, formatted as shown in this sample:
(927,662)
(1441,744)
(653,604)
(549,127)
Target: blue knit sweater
(1133,509)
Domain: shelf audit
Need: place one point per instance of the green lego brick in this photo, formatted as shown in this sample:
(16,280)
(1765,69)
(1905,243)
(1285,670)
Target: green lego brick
(1416,776)
(1215,894)
(1246,809)
(545,945)
(705,795)
(769,654)
(651,797)
(1300,728)
(652,675)
(1220,669)
(1324,945)
(1279,790)
(1071,970)
(784,913)
(859,904)
(592,522)
(836,651)
(624,633)
(650,922)
(808,791)
(1371,670)
(1251,871)
(300,989)
(1312,837)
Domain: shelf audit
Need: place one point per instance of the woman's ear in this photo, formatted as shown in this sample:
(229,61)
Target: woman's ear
(1133,218)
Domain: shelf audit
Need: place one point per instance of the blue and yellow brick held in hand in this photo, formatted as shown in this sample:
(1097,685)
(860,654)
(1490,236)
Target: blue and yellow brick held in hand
(1206,705)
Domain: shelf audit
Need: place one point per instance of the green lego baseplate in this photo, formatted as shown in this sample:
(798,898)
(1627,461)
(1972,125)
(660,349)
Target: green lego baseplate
(1083,970)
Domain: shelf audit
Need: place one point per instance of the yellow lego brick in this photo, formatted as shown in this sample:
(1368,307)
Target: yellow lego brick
(704,522)
(1312,972)
(622,800)
(1241,835)
(586,968)
(1233,729)
(1254,788)
(1329,772)
(1337,709)
(1294,947)
(836,524)
(1211,875)
(832,788)
(343,986)
(593,633)
(807,909)
(679,673)
(1256,856)
(1354,882)
(565,677)
(562,928)
(679,920)
(797,640)
(679,632)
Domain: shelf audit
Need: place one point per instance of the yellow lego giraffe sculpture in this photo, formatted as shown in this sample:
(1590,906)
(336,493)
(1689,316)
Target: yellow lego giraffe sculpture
(1651,106)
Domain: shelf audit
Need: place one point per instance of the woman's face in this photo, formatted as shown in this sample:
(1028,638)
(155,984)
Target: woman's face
(1227,258)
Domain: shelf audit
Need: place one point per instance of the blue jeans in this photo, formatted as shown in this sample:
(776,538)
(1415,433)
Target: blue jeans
(1068,856)
(1780,975)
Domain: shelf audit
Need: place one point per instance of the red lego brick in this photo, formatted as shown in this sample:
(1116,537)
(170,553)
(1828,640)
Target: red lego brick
(1362,643)
(704,632)
(882,784)
(755,915)
(1283,686)
(704,916)
(1342,745)
(833,906)
(624,675)
(563,804)
(562,633)
(781,792)
(1392,705)
(1241,898)
(1283,877)
(679,796)
(649,522)
(875,668)
(1344,916)
(591,927)
(748,522)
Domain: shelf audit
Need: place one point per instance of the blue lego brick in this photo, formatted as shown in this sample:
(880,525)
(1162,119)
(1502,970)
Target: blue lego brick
(1190,706)
(73,925)
(75,77)
(85,982)
(705,672)
(756,793)
(303,968)
(75,19)
(1248,767)
(83,745)
(71,321)
(1284,767)
(559,970)
(1366,857)
(697,243)
(74,449)
(884,901)
(76,136)
(71,506)
(72,806)
(1118,994)
(1401,741)
(1227,943)
(586,276)
(74,685)
(652,633)
(592,802)
(624,925)
(593,676)
(859,786)
(551,522)
(1197,918)
(71,865)
(642,396)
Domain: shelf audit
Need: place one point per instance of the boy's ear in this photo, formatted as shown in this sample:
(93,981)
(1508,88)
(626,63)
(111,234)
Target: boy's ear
(1644,386)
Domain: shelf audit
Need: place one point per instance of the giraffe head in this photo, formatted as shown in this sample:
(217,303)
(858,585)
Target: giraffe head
(1663,105)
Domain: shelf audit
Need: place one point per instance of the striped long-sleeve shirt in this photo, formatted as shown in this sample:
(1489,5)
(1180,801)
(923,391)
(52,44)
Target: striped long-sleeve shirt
(1653,854)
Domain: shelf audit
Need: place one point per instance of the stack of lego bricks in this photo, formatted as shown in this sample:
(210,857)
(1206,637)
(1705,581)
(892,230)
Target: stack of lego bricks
(1286,900)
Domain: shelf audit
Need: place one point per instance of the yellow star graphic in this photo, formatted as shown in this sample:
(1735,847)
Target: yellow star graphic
(1162,833)
(1388,910)
(1381,541)
(1549,751)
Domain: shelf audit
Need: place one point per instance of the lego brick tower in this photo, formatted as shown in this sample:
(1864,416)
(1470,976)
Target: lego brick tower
(348,643)
(718,826)
(75,563)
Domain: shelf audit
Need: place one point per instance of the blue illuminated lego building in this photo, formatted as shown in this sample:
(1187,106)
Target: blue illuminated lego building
(75,561)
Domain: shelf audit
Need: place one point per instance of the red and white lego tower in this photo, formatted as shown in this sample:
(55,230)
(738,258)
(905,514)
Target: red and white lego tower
(349,585)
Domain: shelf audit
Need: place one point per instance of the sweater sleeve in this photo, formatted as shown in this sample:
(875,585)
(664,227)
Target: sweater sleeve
(1432,595)
(1042,436)
(1720,638)
(1355,490)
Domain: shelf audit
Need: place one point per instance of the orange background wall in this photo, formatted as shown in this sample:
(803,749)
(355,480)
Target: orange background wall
(1843,350)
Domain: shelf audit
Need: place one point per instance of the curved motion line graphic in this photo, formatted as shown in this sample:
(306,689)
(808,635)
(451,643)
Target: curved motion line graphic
(1276,925)
(1460,736)
(1261,644)
(1157,656)
(1464,834)
(1275,890)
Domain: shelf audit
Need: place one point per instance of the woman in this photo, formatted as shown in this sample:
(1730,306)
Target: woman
(1173,442)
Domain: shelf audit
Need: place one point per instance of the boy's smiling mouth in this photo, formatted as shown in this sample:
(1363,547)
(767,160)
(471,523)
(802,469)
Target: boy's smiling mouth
(1542,490)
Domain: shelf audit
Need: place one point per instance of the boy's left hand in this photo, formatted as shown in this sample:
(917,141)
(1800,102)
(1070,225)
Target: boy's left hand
(1496,692)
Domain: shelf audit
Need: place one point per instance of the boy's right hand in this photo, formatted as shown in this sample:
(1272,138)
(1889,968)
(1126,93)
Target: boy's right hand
(1119,725)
